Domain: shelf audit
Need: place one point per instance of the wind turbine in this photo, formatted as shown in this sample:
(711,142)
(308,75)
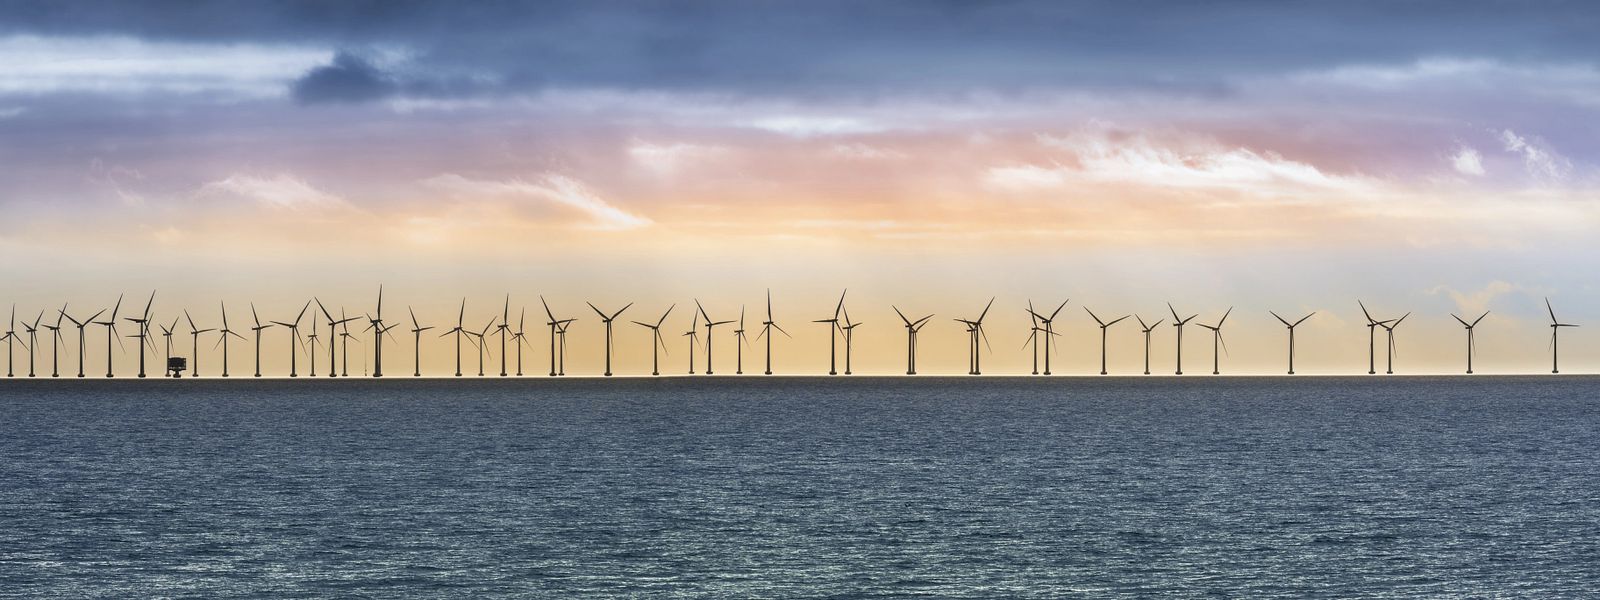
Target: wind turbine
(1389,329)
(1216,340)
(111,333)
(693,334)
(195,332)
(562,368)
(223,335)
(333,323)
(166,334)
(33,340)
(55,342)
(1146,329)
(11,336)
(81,337)
(656,343)
(975,330)
(483,343)
(294,337)
(849,330)
(144,331)
(376,325)
(1049,330)
(416,350)
(1555,327)
(311,347)
(709,325)
(1033,336)
(766,330)
(458,331)
(1291,327)
(1179,323)
(505,330)
(1472,344)
(1372,340)
(519,340)
(344,346)
(912,327)
(257,329)
(1103,327)
(557,327)
(833,326)
(607,321)
(739,343)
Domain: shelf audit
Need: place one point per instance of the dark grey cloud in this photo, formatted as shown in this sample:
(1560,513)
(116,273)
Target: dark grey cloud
(834,46)
(349,79)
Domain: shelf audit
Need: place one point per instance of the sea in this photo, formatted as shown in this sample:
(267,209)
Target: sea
(788,487)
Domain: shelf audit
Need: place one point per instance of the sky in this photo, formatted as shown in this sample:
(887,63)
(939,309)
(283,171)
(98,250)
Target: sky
(1421,157)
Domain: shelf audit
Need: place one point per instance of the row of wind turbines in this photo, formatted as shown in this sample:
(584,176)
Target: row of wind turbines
(1042,336)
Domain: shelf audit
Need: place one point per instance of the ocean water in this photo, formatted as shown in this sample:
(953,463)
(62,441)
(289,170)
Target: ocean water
(798,487)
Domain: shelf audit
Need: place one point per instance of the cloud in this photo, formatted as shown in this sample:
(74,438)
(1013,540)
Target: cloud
(1099,155)
(1542,163)
(816,126)
(860,151)
(124,65)
(669,158)
(349,78)
(280,192)
(1467,161)
(1475,302)
(549,188)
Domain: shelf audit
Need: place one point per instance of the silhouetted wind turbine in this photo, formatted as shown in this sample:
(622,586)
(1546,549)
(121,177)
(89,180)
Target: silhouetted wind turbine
(294,337)
(483,343)
(657,343)
(693,334)
(975,330)
(55,342)
(166,335)
(195,332)
(519,340)
(1389,329)
(849,329)
(1049,330)
(33,340)
(1372,340)
(1103,327)
(558,327)
(311,347)
(766,330)
(1179,323)
(1291,327)
(223,336)
(376,325)
(1216,340)
(1555,348)
(11,337)
(709,325)
(460,330)
(1033,336)
(833,326)
(111,334)
(1472,344)
(1146,329)
(257,329)
(333,324)
(505,330)
(606,320)
(739,343)
(912,327)
(416,350)
(82,346)
(344,345)
(561,369)
(144,331)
